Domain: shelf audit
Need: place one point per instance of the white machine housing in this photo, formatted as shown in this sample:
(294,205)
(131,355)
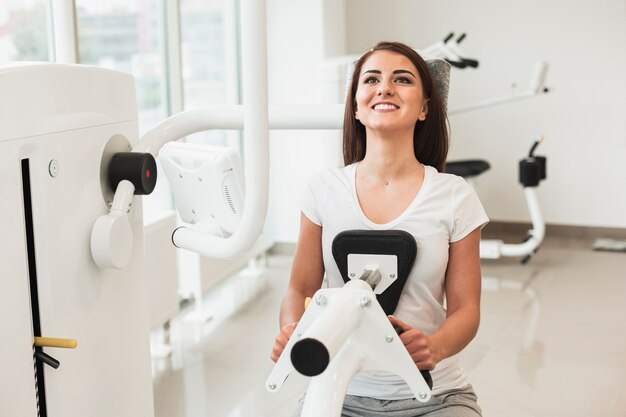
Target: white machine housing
(60,119)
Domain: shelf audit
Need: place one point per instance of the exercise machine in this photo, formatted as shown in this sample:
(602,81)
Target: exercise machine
(532,170)
(75,336)
(346,330)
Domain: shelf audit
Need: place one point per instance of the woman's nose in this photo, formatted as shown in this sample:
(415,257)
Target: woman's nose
(385,90)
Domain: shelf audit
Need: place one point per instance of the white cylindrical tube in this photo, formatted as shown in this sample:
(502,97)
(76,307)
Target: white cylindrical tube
(538,231)
(319,344)
(326,392)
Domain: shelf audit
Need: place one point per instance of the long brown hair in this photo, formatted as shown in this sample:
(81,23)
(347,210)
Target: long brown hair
(430,138)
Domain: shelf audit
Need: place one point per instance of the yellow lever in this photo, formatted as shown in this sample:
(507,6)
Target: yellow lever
(55,342)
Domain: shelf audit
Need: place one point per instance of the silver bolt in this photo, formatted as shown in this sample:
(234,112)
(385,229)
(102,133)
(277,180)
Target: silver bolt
(352,274)
(392,276)
(320,300)
(53,168)
(423,395)
(389,338)
(180,175)
(365,302)
(193,211)
(273,387)
(199,179)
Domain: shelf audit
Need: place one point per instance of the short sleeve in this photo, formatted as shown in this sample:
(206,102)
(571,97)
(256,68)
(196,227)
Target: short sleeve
(311,199)
(467,211)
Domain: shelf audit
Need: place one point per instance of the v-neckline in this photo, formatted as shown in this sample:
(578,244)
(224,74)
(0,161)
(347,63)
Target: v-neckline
(392,223)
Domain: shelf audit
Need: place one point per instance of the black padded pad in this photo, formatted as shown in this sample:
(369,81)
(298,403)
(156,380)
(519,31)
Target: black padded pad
(466,169)
(378,242)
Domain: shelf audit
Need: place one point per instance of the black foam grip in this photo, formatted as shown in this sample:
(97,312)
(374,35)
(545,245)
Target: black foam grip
(529,172)
(310,357)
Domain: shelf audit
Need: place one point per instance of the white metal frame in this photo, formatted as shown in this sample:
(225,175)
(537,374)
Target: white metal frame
(358,335)
(494,249)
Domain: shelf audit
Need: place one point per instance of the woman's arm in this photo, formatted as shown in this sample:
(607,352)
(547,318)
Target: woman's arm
(463,283)
(307,273)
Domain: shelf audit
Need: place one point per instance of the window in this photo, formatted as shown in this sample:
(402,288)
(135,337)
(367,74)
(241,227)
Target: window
(209,61)
(126,35)
(21,34)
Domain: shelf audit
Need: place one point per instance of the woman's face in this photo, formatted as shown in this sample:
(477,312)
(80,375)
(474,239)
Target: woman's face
(390,96)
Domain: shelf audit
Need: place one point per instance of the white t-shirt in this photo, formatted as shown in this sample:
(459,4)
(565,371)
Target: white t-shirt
(446,209)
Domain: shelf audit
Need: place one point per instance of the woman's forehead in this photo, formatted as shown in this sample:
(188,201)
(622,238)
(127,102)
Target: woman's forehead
(387,60)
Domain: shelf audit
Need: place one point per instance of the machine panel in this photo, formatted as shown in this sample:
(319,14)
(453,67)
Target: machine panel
(104,310)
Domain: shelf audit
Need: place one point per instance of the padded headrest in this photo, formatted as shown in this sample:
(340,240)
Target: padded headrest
(440,71)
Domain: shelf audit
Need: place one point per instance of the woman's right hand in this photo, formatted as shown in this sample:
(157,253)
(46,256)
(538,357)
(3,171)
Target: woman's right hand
(282,339)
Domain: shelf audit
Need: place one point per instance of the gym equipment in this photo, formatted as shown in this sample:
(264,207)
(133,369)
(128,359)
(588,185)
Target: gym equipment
(346,330)
(532,170)
(451,52)
(71,331)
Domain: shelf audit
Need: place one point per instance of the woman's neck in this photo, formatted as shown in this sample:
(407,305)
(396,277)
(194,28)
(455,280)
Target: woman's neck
(389,156)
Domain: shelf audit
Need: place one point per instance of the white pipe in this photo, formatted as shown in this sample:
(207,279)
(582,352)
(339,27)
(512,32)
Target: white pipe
(327,391)
(537,232)
(64,29)
(338,320)
(496,101)
(256,141)
(316,116)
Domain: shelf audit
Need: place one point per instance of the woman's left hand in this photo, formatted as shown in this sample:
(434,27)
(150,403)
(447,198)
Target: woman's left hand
(417,344)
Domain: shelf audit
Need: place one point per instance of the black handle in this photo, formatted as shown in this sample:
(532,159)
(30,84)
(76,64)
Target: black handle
(447,38)
(47,359)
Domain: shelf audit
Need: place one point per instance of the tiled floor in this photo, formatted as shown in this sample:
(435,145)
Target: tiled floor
(552,342)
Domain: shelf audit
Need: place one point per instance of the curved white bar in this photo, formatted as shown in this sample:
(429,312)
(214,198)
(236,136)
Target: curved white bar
(537,233)
(256,140)
(320,116)
(123,199)
(191,121)
(327,391)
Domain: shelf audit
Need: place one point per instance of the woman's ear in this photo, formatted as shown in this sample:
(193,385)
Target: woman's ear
(424,111)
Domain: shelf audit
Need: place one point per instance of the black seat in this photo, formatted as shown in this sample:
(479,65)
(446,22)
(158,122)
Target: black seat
(468,168)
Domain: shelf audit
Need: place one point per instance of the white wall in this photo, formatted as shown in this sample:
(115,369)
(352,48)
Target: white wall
(300,34)
(583,117)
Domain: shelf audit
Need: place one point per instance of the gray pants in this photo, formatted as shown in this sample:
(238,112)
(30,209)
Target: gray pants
(454,403)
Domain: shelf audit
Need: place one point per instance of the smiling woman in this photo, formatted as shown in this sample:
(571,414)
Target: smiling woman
(390,98)
(395,146)
(430,134)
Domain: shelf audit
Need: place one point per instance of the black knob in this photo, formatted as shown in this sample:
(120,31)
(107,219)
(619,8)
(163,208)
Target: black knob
(532,171)
(138,168)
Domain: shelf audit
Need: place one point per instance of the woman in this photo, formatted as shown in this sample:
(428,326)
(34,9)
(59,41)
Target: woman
(395,146)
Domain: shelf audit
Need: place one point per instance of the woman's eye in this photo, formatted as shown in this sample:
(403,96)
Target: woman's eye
(403,80)
(370,80)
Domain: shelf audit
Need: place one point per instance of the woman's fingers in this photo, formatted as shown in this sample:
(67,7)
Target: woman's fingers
(399,324)
(281,340)
(416,343)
